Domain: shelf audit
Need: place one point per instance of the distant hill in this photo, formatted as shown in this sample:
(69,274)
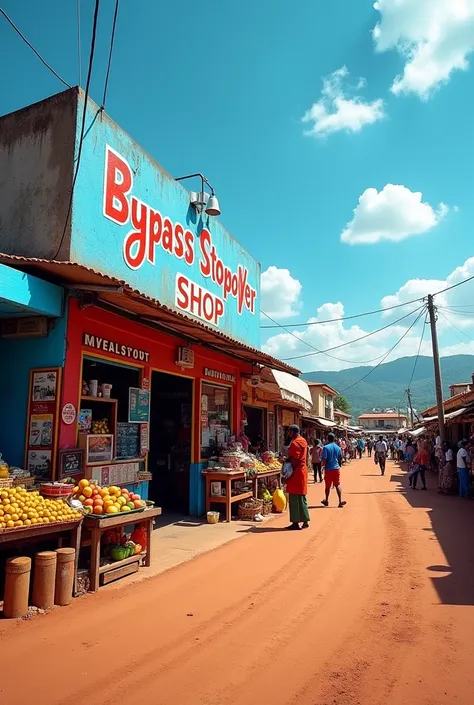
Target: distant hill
(385,386)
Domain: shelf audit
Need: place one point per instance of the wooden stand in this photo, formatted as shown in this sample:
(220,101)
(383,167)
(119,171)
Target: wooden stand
(33,532)
(228,500)
(264,476)
(97,528)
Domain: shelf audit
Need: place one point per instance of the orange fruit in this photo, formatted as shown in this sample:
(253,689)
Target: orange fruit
(89,502)
(98,509)
(138,504)
(83,483)
(87,491)
(111,509)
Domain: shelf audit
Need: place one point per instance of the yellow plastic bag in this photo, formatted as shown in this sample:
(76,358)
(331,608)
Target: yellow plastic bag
(279,501)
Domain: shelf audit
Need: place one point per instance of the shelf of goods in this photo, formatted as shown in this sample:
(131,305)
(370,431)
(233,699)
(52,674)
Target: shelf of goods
(96,527)
(225,478)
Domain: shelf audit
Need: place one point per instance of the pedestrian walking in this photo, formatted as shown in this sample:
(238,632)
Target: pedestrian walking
(360,447)
(332,459)
(381,450)
(463,462)
(446,473)
(370,446)
(316,453)
(420,461)
(297,483)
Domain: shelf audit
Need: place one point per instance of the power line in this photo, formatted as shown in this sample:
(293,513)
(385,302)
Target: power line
(335,320)
(417,354)
(356,340)
(83,125)
(110,52)
(448,288)
(45,63)
(386,354)
(78,12)
(457,336)
(340,359)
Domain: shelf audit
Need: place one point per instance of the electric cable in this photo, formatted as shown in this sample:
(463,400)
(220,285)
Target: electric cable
(83,124)
(386,354)
(28,43)
(112,38)
(458,329)
(356,340)
(340,359)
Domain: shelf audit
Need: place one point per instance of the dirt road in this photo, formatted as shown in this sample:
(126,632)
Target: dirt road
(373,604)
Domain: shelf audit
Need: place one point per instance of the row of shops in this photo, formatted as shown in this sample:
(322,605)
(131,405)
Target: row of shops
(129,330)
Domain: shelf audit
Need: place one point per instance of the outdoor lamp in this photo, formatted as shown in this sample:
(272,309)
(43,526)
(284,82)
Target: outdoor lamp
(201,200)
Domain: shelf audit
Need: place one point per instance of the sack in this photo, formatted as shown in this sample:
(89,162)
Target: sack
(287,470)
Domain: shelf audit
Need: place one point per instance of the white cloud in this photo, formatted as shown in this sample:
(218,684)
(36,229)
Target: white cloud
(394,213)
(336,110)
(434,37)
(280,293)
(455,306)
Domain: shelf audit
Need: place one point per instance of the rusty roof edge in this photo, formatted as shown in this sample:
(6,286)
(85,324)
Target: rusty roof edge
(264,359)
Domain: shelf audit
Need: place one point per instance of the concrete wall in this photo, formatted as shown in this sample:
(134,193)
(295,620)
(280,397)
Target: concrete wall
(17,357)
(36,166)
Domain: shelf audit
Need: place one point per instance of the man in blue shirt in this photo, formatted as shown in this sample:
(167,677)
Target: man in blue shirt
(332,459)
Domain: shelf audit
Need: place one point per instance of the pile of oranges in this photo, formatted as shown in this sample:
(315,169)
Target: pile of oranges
(18,507)
(106,500)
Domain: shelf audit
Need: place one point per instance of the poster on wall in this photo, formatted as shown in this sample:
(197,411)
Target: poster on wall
(138,405)
(44,385)
(41,430)
(39,463)
(43,422)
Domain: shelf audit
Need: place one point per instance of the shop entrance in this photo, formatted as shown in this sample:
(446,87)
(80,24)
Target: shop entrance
(255,428)
(170,441)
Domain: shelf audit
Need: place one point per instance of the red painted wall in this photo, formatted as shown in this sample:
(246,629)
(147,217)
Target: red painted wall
(163,354)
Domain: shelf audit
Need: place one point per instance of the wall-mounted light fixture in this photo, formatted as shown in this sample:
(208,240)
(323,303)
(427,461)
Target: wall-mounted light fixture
(201,200)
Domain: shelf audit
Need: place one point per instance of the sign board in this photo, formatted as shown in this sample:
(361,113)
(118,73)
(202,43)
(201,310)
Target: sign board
(141,230)
(71,462)
(43,422)
(138,405)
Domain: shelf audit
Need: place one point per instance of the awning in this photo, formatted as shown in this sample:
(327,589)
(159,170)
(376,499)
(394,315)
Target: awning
(120,297)
(319,421)
(23,294)
(417,431)
(448,417)
(284,387)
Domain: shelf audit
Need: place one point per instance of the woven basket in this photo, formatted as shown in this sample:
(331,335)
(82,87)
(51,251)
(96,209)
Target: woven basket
(24,481)
(6,483)
(248,508)
(267,507)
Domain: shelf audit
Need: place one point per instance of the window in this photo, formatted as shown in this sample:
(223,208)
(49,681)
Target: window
(379,423)
(215,418)
(328,407)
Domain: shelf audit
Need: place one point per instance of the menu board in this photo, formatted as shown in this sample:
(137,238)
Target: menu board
(42,422)
(70,462)
(127,441)
(138,405)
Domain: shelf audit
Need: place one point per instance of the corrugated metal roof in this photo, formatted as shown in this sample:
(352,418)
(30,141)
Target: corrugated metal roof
(135,302)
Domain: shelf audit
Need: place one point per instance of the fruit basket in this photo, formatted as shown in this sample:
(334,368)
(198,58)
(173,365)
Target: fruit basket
(5,483)
(249,508)
(27,481)
(90,515)
(267,507)
(56,490)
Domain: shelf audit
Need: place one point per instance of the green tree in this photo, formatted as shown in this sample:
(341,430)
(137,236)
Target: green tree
(341,404)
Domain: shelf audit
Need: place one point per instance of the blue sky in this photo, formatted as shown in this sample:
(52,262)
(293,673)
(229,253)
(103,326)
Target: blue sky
(225,90)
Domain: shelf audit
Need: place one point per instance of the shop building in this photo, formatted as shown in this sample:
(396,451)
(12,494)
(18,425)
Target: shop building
(385,421)
(157,338)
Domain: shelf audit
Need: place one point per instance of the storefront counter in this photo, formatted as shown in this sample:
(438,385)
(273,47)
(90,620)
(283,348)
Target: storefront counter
(226,479)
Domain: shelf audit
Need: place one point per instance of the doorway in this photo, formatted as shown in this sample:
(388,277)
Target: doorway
(255,428)
(169,459)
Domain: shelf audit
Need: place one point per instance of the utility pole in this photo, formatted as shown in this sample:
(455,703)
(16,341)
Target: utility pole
(408,391)
(437,369)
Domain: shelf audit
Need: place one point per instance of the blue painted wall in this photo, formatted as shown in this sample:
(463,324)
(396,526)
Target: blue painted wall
(197,490)
(99,242)
(17,357)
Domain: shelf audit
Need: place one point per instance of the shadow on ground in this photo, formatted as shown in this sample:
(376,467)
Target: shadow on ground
(452,520)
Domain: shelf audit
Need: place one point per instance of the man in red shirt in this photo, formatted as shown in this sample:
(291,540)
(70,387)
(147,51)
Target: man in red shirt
(297,483)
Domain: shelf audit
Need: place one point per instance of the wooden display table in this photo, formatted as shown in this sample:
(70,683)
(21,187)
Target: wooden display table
(30,533)
(114,521)
(228,500)
(263,476)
